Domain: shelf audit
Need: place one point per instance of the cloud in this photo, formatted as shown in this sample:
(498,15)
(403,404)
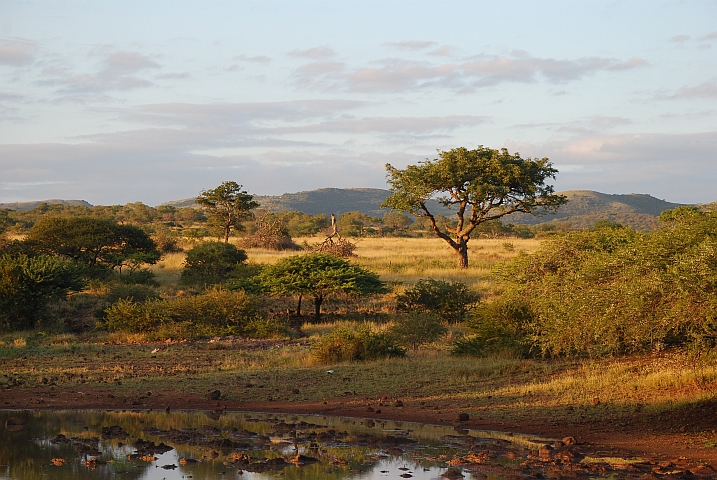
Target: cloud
(118,72)
(443,51)
(679,39)
(234,114)
(678,167)
(411,44)
(412,125)
(706,89)
(17,52)
(711,36)
(125,63)
(257,59)
(104,174)
(173,76)
(316,53)
(398,75)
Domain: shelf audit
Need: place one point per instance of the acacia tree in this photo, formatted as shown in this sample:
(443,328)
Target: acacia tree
(227,206)
(92,241)
(319,276)
(482,184)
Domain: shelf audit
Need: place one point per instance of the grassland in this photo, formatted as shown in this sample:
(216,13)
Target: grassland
(668,394)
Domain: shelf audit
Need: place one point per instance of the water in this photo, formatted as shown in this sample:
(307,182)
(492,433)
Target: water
(214,445)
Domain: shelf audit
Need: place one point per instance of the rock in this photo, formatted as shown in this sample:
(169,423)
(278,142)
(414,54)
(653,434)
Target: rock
(596,401)
(545,452)
(303,460)
(115,431)
(398,403)
(568,441)
(369,409)
(452,473)
(463,417)
(215,395)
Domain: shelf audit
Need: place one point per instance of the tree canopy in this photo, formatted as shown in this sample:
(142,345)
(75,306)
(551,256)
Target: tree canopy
(481,184)
(227,206)
(319,276)
(92,241)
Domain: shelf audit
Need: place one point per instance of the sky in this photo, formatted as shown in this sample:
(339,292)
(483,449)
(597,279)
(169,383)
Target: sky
(123,101)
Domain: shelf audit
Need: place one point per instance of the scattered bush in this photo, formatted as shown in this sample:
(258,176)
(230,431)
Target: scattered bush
(449,300)
(215,312)
(417,328)
(211,262)
(139,277)
(346,344)
(134,293)
(29,284)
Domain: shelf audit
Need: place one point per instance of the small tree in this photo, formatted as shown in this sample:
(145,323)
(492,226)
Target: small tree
(319,276)
(211,262)
(481,184)
(451,301)
(227,206)
(28,284)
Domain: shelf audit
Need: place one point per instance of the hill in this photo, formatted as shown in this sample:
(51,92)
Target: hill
(35,204)
(585,207)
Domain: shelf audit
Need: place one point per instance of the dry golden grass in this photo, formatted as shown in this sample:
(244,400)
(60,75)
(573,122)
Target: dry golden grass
(410,259)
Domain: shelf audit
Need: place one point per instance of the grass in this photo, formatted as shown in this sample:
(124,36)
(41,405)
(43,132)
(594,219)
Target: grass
(397,260)
(492,388)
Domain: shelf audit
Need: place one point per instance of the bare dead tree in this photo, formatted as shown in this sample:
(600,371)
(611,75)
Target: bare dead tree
(335,244)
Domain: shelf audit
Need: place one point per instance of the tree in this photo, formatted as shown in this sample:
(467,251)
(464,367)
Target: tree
(211,262)
(28,284)
(319,276)
(92,241)
(451,301)
(227,206)
(481,184)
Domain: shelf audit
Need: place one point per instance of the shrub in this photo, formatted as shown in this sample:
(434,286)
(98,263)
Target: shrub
(346,344)
(135,293)
(449,300)
(417,328)
(29,284)
(498,328)
(211,262)
(611,290)
(215,312)
(142,276)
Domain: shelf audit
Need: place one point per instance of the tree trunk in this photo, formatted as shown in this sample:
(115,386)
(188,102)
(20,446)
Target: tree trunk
(298,307)
(317,308)
(227,231)
(462,251)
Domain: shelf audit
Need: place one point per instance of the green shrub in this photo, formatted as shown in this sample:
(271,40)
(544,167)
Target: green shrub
(612,290)
(215,312)
(29,284)
(498,328)
(135,293)
(211,262)
(449,300)
(417,328)
(346,344)
(139,277)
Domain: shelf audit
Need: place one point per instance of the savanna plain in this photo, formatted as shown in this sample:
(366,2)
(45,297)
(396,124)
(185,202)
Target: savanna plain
(659,403)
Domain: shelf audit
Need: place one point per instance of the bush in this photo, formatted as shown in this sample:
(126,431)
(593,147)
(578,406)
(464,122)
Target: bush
(498,328)
(611,290)
(346,344)
(29,284)
(416,329)
(449,300)
(211,262)
(139,277)
(215,312)
(135,293)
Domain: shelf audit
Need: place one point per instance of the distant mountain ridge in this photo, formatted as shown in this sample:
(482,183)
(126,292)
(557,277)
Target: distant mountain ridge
(37,203)
(583,209)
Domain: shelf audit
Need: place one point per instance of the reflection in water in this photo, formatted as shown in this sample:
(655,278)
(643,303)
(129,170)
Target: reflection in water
(212,445)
